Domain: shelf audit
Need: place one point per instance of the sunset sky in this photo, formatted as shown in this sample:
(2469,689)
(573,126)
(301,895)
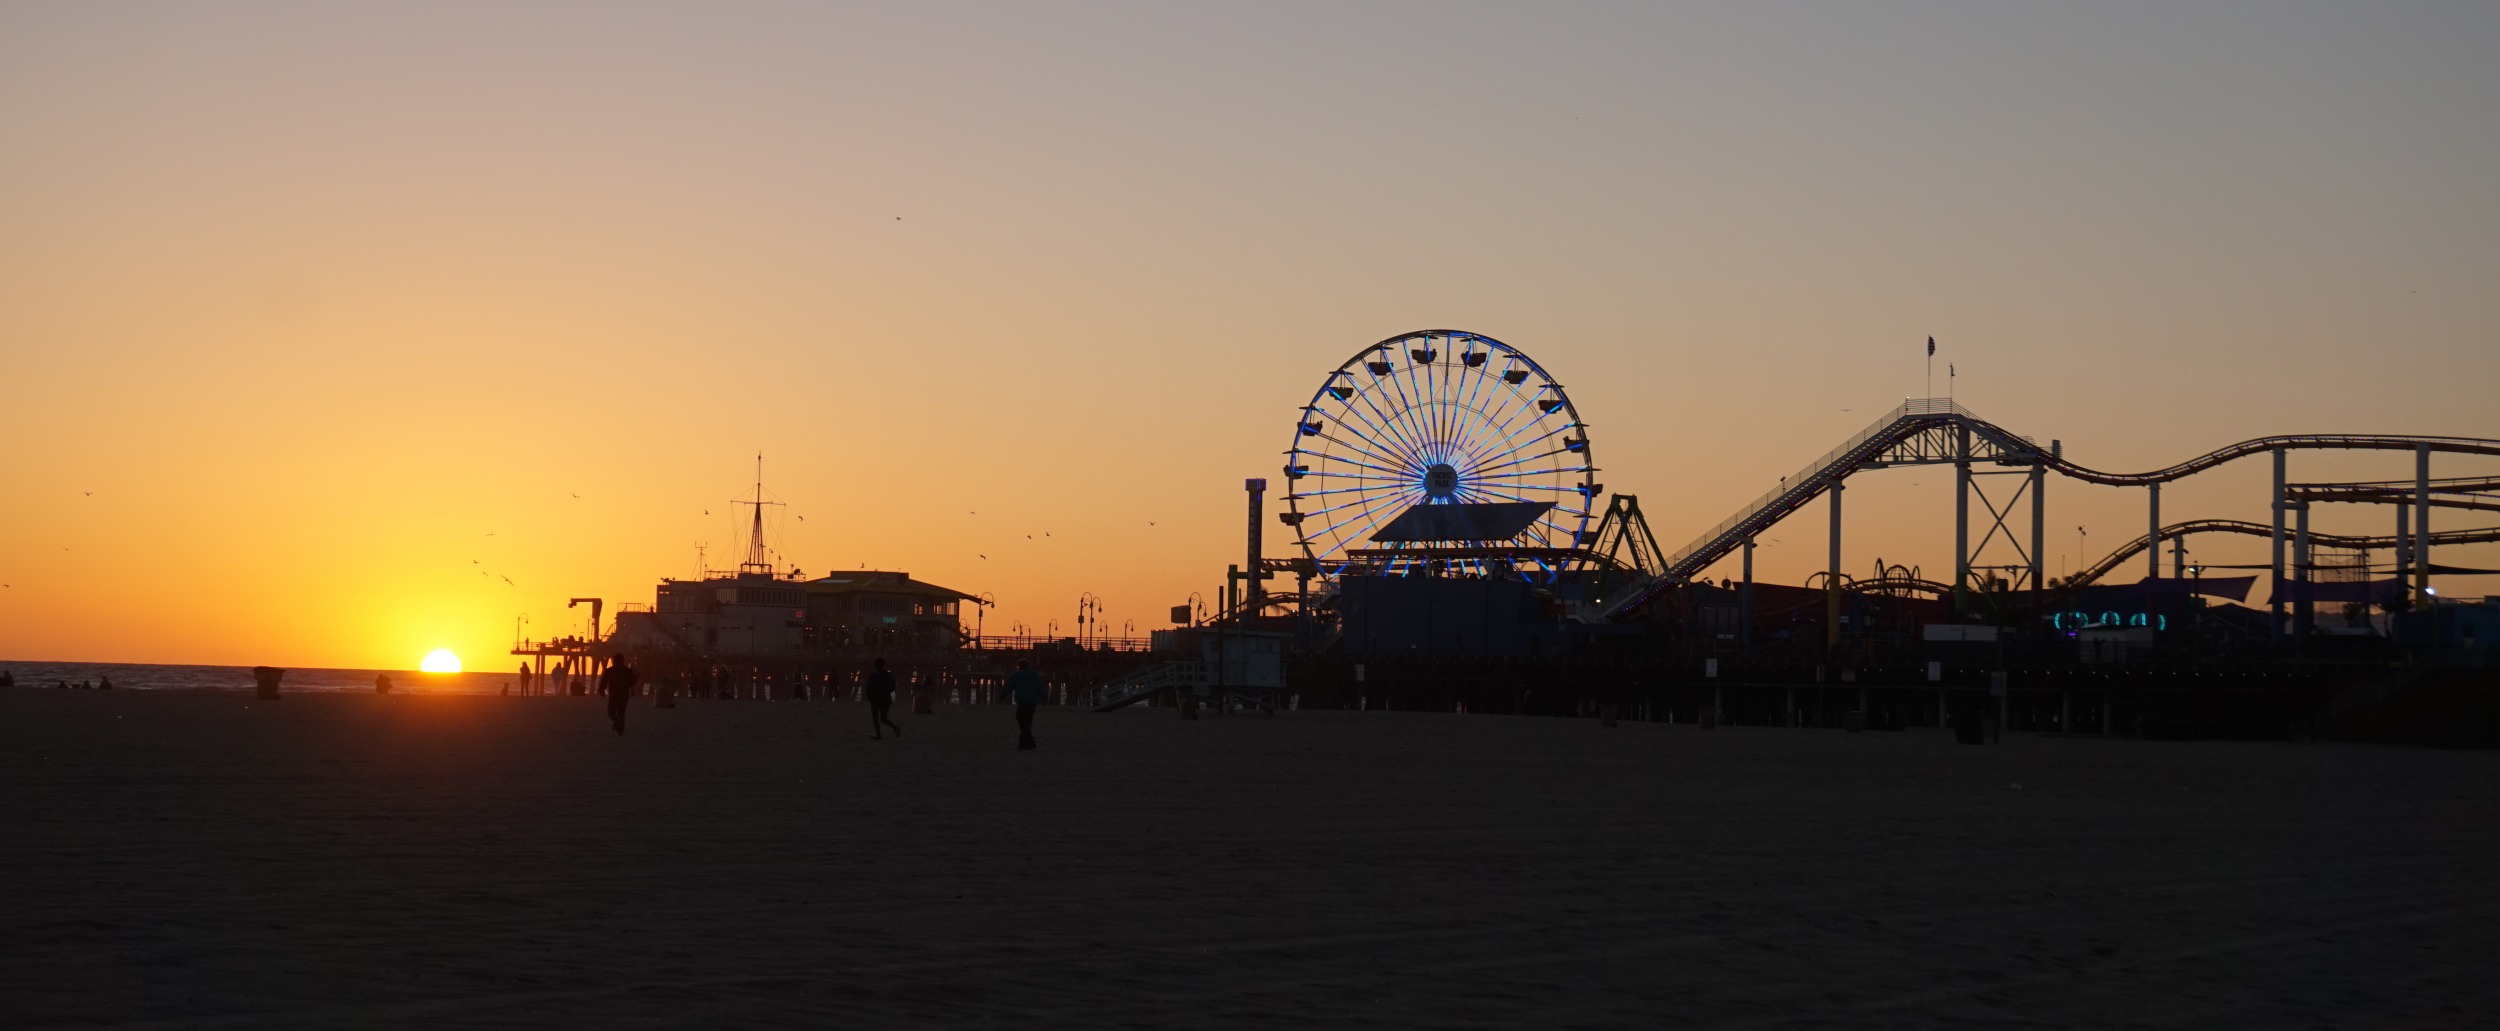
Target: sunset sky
(318,321)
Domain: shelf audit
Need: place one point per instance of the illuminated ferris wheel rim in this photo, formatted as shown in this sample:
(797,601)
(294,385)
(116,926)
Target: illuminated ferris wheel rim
(1437,416)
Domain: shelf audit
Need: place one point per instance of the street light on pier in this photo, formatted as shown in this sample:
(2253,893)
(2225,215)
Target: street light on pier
(980,612)
(1088,612)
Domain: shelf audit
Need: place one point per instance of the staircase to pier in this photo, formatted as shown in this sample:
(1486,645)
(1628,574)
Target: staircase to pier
(1149,681)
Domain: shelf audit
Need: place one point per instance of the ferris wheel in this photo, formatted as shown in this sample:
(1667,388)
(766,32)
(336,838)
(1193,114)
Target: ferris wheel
(1439,418)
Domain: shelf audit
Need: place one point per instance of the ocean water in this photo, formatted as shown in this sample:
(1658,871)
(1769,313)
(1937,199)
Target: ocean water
(128,676)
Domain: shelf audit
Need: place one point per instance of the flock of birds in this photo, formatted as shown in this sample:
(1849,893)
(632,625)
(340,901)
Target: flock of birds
(490,576)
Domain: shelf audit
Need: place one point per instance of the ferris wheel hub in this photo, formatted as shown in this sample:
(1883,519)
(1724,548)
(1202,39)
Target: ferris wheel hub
(1441,481)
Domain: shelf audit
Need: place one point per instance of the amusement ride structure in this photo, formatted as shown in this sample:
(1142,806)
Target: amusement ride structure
(1440,451)
(1448,453)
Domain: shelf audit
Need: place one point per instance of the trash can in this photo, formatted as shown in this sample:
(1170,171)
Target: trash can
(265,682)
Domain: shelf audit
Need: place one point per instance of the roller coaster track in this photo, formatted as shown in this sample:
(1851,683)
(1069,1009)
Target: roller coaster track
(1934,431)
(2097,570)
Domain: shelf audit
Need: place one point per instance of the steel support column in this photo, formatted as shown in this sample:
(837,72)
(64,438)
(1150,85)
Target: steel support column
(2039,536)
(1744,601)
(1961,530)
(2404,543)
(2274,586)
(1831,580)
(2152,554)
(1961,521)
(2304,613)
(2421,523)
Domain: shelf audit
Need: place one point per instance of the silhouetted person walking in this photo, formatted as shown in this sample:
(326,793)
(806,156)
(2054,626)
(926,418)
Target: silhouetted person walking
(618,684)
(881,702)
(1025,688)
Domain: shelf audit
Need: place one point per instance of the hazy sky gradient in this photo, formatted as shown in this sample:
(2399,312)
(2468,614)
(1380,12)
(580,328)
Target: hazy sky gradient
(315,297)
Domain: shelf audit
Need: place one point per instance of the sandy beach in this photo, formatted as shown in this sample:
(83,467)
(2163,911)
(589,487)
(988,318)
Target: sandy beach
(204,860)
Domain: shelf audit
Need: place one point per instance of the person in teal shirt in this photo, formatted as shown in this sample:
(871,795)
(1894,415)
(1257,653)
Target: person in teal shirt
(1024,687)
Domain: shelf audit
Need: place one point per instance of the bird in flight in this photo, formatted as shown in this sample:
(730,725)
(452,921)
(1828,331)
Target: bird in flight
(1026,537)
(507,580)
(88,493)
(802,519)
(985,558)
(577,497)
(473,562)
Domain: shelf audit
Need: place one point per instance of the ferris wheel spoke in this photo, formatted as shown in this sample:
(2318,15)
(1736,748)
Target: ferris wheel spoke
(1418,397)
(1406,406)
(1393,427)
(1350,446)
(1544,488)
(1353,464)
(1475,404)
(1360,480)
(1301,495)
(1382,428)
(1445,394)
(1408,418)
(1483,437)
(1486,465)
(1531,458)
(1379,434)
(1516,474)
(1385,511)
(1360,502)
(1338,540)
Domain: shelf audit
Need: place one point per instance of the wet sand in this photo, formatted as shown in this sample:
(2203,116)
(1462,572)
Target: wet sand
(178,860)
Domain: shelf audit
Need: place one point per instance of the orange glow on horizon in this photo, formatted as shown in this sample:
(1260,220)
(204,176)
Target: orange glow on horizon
(319,356)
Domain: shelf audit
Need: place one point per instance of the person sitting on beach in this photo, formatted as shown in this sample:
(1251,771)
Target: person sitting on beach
(381,683)
(618,684)
(104,683)
(881,702)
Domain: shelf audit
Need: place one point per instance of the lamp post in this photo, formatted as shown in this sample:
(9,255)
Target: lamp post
(980,612)
(1088,613)
(1197,608)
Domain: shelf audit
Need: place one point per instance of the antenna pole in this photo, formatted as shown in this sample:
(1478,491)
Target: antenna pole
(759,561)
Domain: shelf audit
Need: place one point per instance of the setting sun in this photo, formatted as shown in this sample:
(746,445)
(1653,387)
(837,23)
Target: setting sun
(440,660)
